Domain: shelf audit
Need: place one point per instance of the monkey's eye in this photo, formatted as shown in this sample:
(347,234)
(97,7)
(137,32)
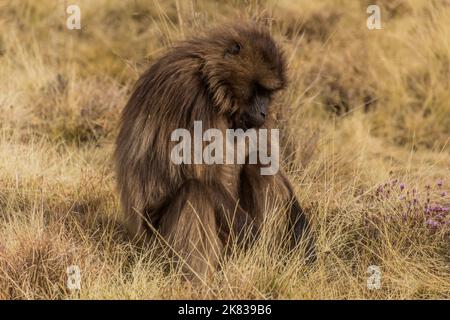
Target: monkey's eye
(260,89)
(234,49)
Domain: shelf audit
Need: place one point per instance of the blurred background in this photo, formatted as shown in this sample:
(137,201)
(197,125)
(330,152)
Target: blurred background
(366,130)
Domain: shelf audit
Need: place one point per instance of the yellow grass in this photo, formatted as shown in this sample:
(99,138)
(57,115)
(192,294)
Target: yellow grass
(363,107)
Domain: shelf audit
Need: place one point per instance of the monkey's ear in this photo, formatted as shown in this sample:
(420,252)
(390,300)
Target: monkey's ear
(233,49)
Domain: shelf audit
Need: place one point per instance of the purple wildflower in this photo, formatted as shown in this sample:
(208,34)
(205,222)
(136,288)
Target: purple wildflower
(432,223)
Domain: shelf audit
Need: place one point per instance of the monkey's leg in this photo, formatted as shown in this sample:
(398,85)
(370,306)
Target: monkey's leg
(258,190)
(236,226)
(188,226)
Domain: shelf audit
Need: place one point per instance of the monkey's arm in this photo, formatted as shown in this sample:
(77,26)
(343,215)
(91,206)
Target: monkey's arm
(187,224)
(235,224)
(258,190)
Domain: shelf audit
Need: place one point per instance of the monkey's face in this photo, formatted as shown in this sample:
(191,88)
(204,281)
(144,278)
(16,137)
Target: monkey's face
(244,68)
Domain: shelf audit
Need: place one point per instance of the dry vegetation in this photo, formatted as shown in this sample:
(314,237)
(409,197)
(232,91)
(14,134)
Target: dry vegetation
(363,108)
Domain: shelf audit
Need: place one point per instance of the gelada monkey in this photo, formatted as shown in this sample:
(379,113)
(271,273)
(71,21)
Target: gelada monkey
(225,79)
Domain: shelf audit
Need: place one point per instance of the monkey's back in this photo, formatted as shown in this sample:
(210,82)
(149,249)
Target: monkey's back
(170,95)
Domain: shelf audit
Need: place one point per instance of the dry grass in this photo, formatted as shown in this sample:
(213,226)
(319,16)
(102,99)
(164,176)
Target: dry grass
(363,107)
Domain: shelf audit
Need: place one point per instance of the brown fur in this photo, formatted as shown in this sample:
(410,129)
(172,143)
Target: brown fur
(197,209)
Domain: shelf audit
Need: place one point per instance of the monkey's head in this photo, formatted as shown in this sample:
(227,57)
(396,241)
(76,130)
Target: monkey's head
(243,67)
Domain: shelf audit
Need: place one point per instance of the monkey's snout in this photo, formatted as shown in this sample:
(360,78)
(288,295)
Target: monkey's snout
(255,120)
(259,121)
